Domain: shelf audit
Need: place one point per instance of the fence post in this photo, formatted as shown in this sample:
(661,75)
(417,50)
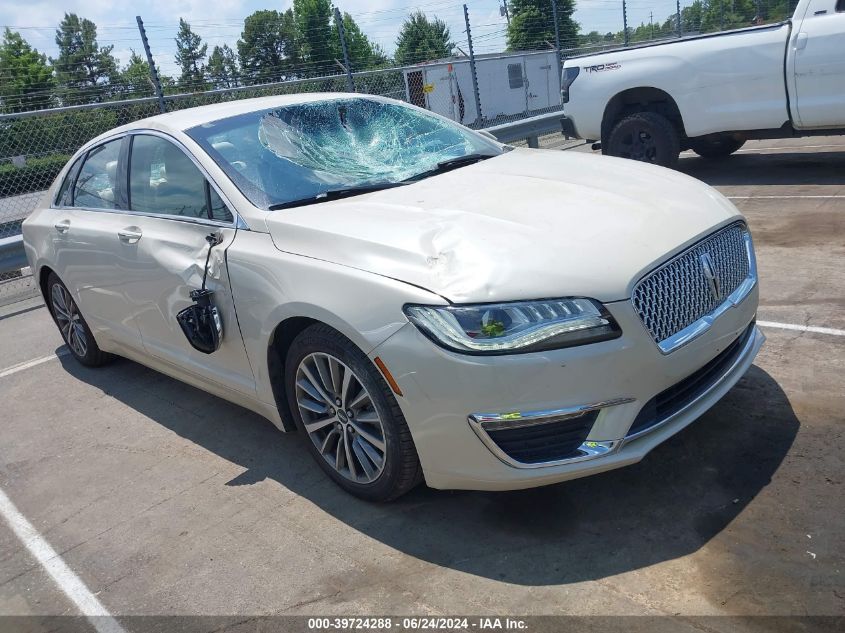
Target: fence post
(557,40)
(151,63)
(678,5)
(341,32)
(472,67)
(625,21)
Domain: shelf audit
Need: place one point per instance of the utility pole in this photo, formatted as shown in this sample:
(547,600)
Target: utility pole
(503,10)
(678,5)
(625,21)
(341,33)
(651,22)
(557,39)
(151,63)
(472,67)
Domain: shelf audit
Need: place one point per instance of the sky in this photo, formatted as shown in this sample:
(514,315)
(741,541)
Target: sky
(220,21)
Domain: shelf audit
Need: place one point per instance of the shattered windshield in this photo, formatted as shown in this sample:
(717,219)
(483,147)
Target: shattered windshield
(302,151)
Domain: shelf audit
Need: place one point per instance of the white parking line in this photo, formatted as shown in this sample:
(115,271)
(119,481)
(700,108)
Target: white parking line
(52,563)
(784,197)
(32,363)
(802,328)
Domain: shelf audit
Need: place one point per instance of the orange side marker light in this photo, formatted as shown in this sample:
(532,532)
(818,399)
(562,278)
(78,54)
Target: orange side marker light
(387,376)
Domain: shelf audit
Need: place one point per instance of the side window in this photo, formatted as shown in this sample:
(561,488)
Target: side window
(96,185)
(515,75)
(219,210)
(840,6)
(63,197)
(163,180)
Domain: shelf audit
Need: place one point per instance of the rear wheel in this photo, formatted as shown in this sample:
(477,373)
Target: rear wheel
(72,325)
(645,136)
(717,146)
(354,426)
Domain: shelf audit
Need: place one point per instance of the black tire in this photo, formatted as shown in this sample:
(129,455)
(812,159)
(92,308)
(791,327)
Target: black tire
(716,146)
(647,137)
(75,332)
(401,469)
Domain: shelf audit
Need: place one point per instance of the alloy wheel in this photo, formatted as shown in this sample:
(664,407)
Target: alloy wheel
(69,320)
(340,417)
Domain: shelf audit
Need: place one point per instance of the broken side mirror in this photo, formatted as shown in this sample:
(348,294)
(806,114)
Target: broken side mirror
(200,322)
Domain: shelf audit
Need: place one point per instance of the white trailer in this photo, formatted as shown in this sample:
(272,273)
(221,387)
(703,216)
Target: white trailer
(509,84)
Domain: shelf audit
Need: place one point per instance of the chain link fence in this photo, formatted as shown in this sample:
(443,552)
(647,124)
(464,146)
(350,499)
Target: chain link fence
(477,90)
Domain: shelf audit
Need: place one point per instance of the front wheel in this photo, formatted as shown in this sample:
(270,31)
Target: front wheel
(645,136)
(716,146)
(355,429)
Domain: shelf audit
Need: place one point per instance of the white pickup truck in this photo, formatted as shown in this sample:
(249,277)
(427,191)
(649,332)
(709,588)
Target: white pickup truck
(710,93)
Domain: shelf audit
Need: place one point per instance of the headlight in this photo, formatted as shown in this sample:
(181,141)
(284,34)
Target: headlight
(518,327)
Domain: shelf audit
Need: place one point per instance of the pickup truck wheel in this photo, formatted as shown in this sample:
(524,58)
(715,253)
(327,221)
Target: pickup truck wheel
(716,146)
(353,425)
(645,136)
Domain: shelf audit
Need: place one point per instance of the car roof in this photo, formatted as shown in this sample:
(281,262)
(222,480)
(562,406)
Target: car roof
(191,117)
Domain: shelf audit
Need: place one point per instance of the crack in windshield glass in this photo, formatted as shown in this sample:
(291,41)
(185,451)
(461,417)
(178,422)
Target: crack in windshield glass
(300,151)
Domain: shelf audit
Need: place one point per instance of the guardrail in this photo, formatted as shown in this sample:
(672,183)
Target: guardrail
(12,256)
(529,129)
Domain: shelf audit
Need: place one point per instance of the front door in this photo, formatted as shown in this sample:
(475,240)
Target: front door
(175,209)
(819,65)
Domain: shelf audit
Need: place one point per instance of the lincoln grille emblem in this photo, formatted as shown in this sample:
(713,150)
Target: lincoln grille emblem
(710,275)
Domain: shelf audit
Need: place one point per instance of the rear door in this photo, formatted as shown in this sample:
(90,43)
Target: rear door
(89,222)
(175,208)
(818,60)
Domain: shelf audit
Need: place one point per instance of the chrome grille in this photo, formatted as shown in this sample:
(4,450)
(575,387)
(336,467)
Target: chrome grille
(678,293)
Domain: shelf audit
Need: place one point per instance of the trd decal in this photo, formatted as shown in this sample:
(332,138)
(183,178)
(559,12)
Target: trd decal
(602,67)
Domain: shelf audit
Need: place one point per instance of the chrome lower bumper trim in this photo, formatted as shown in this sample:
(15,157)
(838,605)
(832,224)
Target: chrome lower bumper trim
(480,423)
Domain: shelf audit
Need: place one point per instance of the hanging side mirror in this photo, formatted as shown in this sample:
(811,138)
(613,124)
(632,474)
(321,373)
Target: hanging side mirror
(200,322)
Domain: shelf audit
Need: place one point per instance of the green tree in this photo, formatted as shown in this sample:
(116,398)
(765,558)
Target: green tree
(421,39)
(26,80)
(318,42)
(223,67)
(84,71)
(267,47)
(135,78)
(190,56)
(363,53)
(532,24)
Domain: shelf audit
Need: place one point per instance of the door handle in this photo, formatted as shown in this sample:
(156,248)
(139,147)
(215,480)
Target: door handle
(62,227)
(800,41)
(129,235)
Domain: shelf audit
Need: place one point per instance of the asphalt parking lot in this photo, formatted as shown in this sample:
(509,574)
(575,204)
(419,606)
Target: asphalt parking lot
(163,500)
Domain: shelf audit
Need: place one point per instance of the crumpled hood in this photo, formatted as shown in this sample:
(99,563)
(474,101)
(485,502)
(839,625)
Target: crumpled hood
(529,224)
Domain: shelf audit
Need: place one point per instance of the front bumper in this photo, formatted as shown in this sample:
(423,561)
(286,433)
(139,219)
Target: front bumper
(442,390)
(567,128)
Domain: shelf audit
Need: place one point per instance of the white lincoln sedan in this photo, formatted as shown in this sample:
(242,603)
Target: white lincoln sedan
(419,300)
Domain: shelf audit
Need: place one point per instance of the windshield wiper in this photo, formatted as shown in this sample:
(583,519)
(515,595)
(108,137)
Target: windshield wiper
(335,194)
(450,164)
